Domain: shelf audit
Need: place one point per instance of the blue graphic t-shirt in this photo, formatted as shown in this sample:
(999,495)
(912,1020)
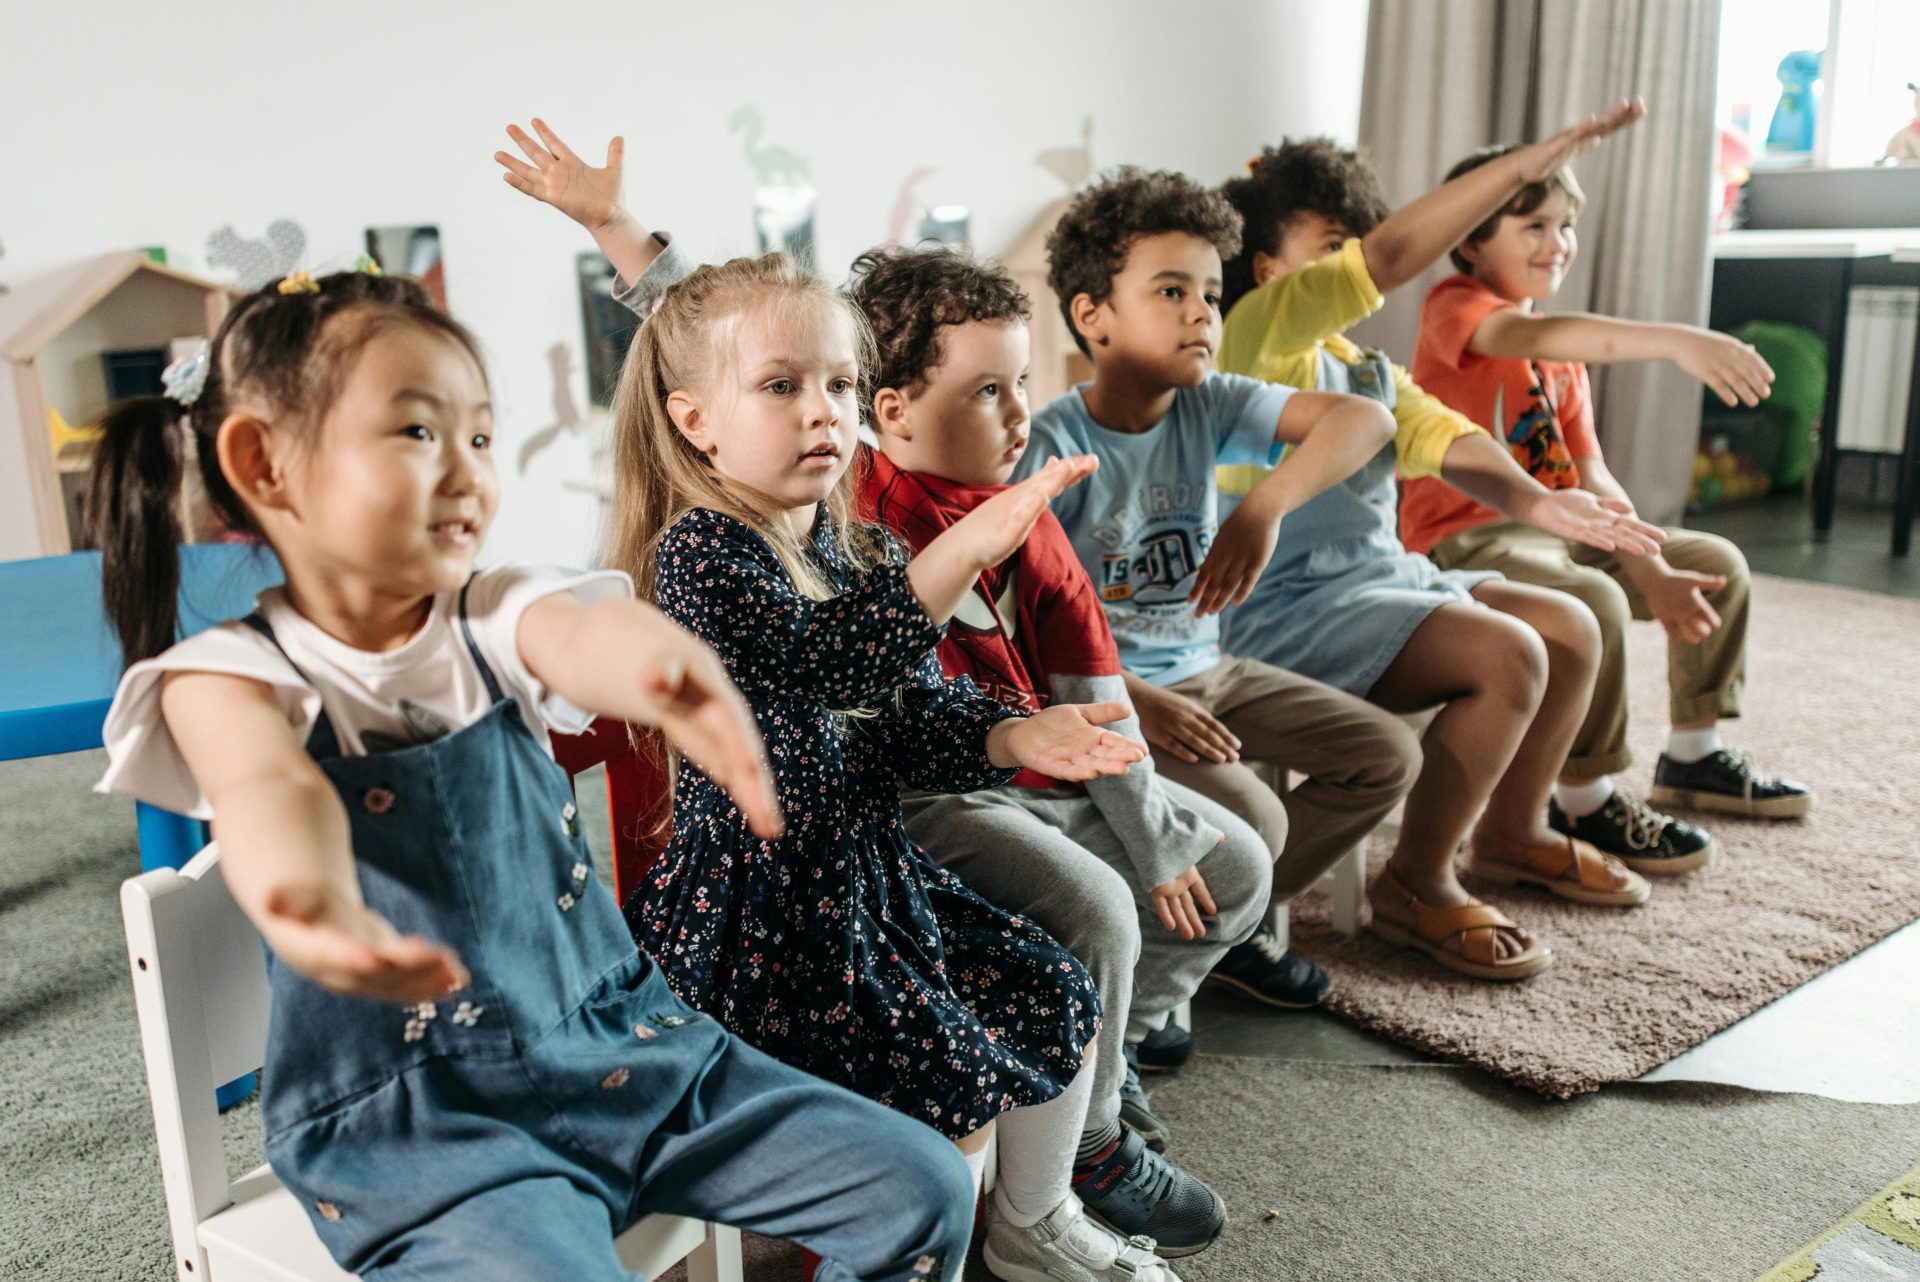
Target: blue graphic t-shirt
(1144,522)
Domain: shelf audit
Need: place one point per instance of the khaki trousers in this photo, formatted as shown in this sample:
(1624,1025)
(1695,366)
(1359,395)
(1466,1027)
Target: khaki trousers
(1703,680)
(1359,761)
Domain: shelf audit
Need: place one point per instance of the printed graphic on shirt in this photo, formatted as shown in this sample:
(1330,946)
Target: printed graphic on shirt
(1154,546)
(980,639)
(423,726)
(1534,439)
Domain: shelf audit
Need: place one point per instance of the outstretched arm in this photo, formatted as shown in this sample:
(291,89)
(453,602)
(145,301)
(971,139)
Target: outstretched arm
(1731,369)
(285,847)
(1481,469)
(1416,235)
(624,659)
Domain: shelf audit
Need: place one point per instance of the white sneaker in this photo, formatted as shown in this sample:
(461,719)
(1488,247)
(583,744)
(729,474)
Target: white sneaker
(1066,1246)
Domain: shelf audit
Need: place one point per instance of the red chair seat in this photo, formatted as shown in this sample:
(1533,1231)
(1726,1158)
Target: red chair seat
(637,803)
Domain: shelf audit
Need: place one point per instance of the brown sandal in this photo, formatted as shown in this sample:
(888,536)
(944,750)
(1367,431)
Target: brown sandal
(1477,926)
(1570,868)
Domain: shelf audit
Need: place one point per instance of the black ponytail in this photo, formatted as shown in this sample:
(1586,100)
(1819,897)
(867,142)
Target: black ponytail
(133,517)
(285,354)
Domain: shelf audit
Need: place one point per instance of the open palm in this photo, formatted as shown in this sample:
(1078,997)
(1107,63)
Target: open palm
(554,174)
(1067,742)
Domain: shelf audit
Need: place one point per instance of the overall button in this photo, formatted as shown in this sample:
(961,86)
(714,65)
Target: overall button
(615,1080)
(328,1212)
(377,800)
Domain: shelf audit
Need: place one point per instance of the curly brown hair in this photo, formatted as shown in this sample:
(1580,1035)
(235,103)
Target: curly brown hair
(1088,247)
(1312,175)
(910,295)
(1525,201)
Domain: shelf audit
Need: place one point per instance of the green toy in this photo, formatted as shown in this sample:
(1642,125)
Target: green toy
(1799,360)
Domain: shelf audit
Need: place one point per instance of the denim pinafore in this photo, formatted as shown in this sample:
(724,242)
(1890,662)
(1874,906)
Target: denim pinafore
(1341,595)
(554,1066)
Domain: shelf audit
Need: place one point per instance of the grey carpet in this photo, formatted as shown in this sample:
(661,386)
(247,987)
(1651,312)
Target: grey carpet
(1832,699)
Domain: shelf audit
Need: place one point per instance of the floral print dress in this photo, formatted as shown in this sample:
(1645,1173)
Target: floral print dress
(841,947)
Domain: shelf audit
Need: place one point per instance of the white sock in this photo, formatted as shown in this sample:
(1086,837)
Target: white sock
(1689,746)
(1577,799)
(977,1165)
(1037,1146)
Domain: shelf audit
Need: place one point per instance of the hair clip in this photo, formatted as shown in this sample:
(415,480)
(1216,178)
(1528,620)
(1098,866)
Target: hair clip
(366,265)
(299,283)
(1253,166)
(186,378)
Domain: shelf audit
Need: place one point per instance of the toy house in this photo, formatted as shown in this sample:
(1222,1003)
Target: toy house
(67,342)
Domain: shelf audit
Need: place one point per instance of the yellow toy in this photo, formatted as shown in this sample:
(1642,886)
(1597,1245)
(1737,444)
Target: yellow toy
(62,433)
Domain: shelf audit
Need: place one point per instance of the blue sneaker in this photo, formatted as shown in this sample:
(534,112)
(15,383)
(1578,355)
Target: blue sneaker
(1139,1194)
(1266,972)
(1164,1049)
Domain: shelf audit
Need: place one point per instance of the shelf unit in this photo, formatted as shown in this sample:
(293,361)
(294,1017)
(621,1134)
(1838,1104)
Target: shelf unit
(52,334)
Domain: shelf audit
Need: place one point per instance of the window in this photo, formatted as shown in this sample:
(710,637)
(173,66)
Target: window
(1860,55)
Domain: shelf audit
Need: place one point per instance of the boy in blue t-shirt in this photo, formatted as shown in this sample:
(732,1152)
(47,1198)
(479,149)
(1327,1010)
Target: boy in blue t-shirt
(1136,262)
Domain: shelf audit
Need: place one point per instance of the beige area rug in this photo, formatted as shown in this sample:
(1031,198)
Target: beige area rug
(1833,699)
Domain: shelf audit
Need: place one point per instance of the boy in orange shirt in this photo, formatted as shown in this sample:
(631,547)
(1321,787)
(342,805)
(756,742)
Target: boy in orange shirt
(1485,351)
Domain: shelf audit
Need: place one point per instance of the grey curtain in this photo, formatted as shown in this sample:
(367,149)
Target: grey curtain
(1444,77)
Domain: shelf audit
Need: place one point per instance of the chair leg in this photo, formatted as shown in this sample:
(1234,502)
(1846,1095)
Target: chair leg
(718,1258)
(1182,1015)
(1349,889)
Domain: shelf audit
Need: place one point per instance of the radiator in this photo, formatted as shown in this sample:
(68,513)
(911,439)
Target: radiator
(1877,367)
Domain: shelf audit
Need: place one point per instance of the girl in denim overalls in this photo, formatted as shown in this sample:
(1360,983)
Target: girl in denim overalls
(471,1072)
(842,947)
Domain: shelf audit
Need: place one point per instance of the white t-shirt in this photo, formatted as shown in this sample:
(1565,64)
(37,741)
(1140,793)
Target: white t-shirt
(375,702)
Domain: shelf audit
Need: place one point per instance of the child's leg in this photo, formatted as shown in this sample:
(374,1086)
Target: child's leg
(1517,807)
(1704,680)
(1037,1146)
(1016,851)
(1527,555)
(1358,759)
(541,1227)
(1238,873)
(769,1148)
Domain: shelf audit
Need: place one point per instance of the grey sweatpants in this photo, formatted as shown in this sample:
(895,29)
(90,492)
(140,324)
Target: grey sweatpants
(1048,854)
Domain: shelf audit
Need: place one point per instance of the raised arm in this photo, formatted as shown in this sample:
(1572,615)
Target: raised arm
(946,569)
(1731,369)
(1419,233)
(1332,436)
(591,196)
(1480,468)
(285,846)
(626,660)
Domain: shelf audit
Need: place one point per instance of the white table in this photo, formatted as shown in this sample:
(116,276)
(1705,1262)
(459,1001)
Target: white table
(1845,245)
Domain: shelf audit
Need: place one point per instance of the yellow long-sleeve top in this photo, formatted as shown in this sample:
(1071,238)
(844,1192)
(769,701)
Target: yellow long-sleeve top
(1278,331)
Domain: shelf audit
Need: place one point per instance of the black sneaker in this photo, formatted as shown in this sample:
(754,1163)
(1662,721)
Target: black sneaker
(1164,1049)
(1729,782)
(1266,972)
(1136,1107)
(1137,1193)
(1637,835)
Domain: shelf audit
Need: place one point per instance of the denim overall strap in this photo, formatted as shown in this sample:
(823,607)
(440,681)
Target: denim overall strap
(473,648)
(321,740)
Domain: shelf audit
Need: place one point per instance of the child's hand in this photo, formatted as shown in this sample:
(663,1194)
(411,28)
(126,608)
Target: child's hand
(1731,369)
(1236,560)
(1174,723)
(994,530)
(1065,741)
(589,196)
(1180,902)
(1581,516)
(346,947)
(1538,161)
(685,690)
(1678,600)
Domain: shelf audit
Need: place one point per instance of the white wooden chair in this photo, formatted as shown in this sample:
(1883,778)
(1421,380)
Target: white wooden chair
(200,986)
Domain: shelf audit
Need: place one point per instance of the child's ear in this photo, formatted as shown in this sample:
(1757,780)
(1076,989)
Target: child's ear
(1090,318)
(890,416)
(249,451)
(684,410)
(1470,251)
(1266,268)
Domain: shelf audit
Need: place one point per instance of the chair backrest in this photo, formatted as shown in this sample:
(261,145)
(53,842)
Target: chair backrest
(637,801)
(200,988)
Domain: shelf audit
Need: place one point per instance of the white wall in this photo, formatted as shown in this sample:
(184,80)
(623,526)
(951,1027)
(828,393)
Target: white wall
(142,124)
